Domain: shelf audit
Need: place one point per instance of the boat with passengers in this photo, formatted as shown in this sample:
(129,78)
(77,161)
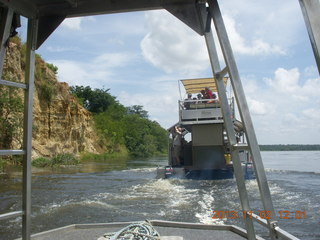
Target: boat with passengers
(195,154)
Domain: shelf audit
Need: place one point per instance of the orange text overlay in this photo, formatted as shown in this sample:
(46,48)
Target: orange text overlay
(283,214)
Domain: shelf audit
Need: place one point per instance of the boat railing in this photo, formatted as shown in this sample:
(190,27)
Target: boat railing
(202,110)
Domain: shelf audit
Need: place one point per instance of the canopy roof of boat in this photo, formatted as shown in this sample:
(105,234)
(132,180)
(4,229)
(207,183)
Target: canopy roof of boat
(198,84)
(52,12)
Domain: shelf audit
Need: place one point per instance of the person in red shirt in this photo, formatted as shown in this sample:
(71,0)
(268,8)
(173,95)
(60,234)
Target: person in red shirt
(209,95)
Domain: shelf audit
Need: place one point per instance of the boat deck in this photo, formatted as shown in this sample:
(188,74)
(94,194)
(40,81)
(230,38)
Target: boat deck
(171,230)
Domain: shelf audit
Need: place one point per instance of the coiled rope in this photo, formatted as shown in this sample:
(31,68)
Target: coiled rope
(135,231)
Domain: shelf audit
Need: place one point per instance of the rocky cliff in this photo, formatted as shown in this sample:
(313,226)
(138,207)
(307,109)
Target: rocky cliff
(60,124)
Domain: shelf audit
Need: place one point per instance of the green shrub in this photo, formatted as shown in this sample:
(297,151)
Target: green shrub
(64,159)
(58,160)
(122,153)
(2,163)
(47,91)
(52,67)
(41,162)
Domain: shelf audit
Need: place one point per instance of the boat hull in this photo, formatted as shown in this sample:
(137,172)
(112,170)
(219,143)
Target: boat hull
(203,174)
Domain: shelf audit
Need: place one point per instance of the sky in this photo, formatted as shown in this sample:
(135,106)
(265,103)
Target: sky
(141,56)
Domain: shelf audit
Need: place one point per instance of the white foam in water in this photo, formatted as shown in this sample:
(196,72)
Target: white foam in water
(174,196)
(161,213)
(275,189)
(251,185)
(96,203)
(206,206)
(54,206)
(153,169)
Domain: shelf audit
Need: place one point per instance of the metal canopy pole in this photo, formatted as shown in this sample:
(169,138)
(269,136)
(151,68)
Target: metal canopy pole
(245,115)
(311,10)
(6,21)
(27,133)
(225,108)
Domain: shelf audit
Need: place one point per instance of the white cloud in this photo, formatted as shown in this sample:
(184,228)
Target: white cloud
(311,71)
(240,44)
(312,114)
(289,82)
(257,107)
(286,109)
(110,60)
(72,23)
(96,73)
(285,81)
(277,23)
(72,72)
(161,100)
(172,46)
(60,49)
(311,87)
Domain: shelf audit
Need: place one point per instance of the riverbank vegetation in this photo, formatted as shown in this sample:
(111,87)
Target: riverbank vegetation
(59,160)
(290,147)
(122,130)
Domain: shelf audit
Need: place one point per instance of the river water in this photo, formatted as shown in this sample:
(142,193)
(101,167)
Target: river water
(126,190)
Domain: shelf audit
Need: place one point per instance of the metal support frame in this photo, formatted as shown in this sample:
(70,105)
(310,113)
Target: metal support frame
(214,12)
(280,232)
(28,86)
(27,134)
(228,124)
(11,215)
(13,84)
(11,152)
(310,10)
(5,27)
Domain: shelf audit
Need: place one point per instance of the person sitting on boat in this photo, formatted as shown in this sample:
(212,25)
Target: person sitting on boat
(199,97)
(187,101)
(177,145)
(203,93)
(210,95)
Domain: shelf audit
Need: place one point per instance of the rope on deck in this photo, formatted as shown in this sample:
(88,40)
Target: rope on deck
(136,231)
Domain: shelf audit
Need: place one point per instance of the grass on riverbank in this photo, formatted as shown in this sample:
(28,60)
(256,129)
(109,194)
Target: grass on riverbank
(2,164)
(58,160)
(68,159)
(6,161)
(104,156)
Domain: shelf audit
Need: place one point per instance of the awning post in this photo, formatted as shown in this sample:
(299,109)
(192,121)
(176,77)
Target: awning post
(5,27)
(311,11)
(27,133)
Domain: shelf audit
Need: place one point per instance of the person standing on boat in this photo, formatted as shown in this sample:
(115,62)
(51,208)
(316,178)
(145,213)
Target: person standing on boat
(177,145)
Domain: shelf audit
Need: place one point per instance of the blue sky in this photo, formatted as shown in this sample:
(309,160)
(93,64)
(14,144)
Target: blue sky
(141,56)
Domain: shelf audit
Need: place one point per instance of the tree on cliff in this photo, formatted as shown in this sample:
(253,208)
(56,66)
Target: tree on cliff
(138,109)
(118,125)
(96,101)
(11,108)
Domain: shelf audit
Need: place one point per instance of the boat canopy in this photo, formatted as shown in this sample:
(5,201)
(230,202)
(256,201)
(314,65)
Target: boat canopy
(198,84)
(51,13)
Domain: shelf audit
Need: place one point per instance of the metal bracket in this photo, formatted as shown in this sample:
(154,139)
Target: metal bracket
(239,147)
(11,215)
(73,3)
(208,22)
(13,84)
(222,73)
(5,29)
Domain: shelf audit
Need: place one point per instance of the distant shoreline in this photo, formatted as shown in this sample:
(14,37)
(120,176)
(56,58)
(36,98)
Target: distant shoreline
(290,147)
